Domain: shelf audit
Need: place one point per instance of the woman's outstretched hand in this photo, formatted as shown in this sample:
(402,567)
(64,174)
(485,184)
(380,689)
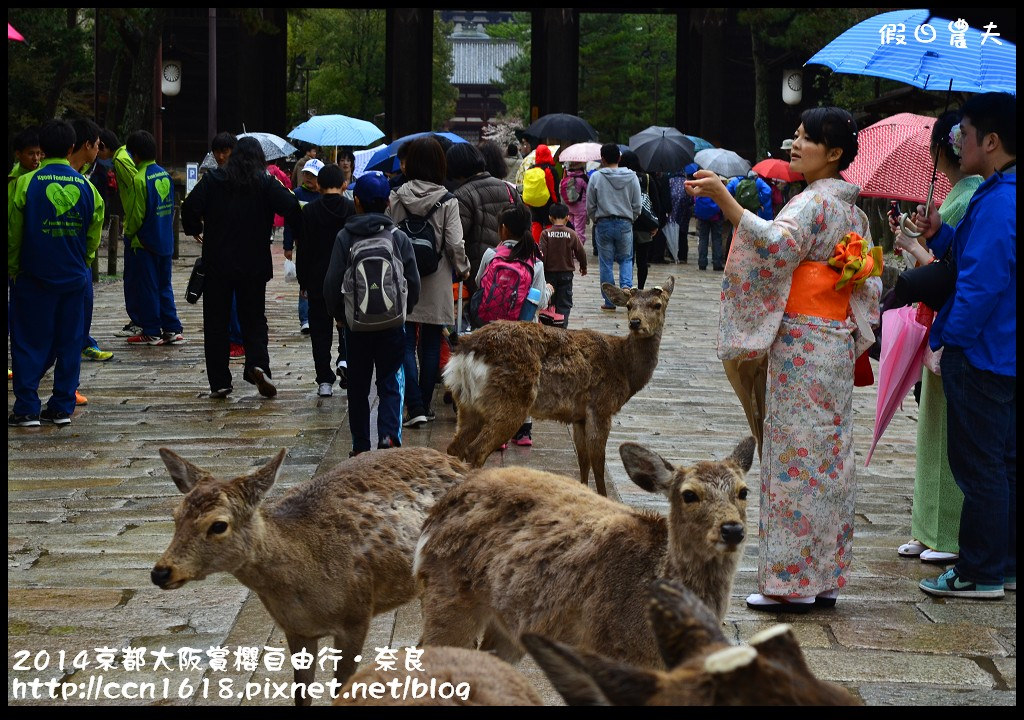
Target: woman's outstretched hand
(707,184)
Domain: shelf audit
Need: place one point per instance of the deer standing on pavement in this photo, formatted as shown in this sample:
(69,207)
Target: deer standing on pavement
(513,550)
(506,371)
(326,557)
(704,667)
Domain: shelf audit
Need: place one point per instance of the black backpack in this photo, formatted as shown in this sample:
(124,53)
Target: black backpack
(424,240)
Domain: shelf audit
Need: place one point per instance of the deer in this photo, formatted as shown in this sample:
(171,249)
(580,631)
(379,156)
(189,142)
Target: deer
(514,550)
(449,677)
(704,668)
(506,371)
(326,557)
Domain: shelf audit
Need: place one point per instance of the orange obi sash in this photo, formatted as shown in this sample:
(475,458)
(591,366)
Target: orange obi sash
(823,289)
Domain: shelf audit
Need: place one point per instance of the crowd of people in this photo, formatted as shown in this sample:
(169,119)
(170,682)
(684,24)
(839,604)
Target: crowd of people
(381,260)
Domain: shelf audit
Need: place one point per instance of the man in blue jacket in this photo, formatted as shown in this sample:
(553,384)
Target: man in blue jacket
(976,330)
(54,221)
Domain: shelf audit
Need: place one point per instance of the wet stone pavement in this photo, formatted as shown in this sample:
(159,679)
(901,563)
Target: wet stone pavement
(89,512)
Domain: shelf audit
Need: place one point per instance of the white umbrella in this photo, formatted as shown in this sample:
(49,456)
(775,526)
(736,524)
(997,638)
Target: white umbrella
(723,162)
(363,159)
(274,146)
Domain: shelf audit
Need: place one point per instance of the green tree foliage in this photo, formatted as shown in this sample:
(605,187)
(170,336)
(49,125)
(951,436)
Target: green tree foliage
(515,74)
(50,75)
(349,79)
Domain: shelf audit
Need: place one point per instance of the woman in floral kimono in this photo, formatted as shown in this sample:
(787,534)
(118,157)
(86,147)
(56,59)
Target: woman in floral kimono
(802,291)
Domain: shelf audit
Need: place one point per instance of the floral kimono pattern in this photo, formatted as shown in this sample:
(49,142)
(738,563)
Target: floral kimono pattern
(805,530)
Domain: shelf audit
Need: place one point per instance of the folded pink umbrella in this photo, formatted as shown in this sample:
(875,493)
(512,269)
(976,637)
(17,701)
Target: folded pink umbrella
(904,341)
(13,34)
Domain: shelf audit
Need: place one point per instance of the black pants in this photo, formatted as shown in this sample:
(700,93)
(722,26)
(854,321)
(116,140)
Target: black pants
(321,333)
(641,252)
(684,234)
(251,294)
(656,253)
(561,281)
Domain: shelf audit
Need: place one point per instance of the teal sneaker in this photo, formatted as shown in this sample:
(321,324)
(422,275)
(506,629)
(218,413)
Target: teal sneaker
(950,584)
(1010,583)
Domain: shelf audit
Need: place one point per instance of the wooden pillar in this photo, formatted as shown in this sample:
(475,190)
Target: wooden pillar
(408,71)
(554,44)
(680,119)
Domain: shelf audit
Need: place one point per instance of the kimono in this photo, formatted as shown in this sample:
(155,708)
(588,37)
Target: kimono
(805,530)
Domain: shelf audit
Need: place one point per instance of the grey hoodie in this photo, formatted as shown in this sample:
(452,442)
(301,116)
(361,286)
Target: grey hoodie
(613,192)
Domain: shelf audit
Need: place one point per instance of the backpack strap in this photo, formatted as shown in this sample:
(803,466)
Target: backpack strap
(444,198)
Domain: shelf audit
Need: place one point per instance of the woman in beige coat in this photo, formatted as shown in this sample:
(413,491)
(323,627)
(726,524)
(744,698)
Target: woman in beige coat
(426,169)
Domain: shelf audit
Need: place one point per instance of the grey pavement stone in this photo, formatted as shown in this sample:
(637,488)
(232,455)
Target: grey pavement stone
(90,507)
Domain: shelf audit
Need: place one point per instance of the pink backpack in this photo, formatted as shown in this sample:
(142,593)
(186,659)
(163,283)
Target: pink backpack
(503,289)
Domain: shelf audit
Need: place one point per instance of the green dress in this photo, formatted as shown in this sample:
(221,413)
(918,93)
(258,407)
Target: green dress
(935,520)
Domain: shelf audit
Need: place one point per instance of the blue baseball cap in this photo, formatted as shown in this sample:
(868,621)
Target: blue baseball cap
(371,186)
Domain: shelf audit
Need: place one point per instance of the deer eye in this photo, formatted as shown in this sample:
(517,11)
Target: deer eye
(218,528)
(656,306)
(742,494)
(689,496)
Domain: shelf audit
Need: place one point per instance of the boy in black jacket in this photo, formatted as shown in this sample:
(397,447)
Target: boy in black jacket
(383,350)
(322,221)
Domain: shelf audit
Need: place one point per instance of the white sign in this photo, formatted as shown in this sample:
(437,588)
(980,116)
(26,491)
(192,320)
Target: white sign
(191,176)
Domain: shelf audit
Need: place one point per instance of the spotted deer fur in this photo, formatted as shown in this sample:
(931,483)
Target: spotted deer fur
(506,371)
(326,557)
(513,550)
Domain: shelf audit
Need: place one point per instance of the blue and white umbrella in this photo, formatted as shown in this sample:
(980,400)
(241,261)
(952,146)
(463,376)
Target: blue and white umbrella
(916,48)
(330,130)
(386,160)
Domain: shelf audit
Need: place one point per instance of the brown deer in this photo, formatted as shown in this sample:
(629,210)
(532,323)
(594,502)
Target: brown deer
(450,676)
(513,550)
(506,371)
(326,557)
(704,668)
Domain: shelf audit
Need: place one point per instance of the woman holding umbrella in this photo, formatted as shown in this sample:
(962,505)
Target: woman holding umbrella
(800,293)
(935,519)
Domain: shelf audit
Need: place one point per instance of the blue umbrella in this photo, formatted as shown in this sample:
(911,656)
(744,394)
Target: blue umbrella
(329,130)
(386,159)
(926,58)
(699,143)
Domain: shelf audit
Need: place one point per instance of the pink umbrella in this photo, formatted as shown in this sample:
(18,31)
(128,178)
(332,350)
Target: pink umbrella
(894,161)
(904,341)
(581,152)
(13,34)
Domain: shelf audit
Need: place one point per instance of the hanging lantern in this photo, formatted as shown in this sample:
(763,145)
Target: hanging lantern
(792,86)
(170,83)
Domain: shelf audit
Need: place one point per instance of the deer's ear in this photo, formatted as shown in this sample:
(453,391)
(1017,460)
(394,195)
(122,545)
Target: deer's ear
(669,286)
(646,468)
(184,474)
(683,625)
(586,679)
(256,485)
(743,455)
(617,295)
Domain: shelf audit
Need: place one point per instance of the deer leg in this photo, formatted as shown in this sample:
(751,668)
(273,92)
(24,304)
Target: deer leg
(494,432)
(452,620)
(498,641)
(579,439)
(468,424)
(350,643)
(298,643)
(597,437)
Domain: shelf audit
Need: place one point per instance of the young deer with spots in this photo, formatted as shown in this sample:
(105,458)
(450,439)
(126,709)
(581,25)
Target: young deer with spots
(326,557)
(512,550)
(506,371)
(704,668)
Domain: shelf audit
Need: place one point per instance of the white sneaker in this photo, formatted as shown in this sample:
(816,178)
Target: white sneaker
(304,328)
(326,390)
(128,330)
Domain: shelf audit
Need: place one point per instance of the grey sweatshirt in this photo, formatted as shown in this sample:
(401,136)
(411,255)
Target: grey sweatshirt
(613,192)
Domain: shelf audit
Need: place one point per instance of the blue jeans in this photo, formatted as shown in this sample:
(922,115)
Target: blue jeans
(419,386)
(614,239)
(234,327)
(712,228)
(368,351)
(303,308)
(981,422)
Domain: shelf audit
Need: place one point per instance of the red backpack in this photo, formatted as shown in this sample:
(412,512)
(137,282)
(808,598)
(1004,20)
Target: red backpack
(503,289)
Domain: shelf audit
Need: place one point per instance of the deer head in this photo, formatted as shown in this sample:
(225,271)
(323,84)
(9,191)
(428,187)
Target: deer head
(215,524)
(645,308)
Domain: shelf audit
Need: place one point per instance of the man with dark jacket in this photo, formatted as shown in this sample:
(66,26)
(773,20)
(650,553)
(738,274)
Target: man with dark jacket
(321,222)
(383,350)
(481,197)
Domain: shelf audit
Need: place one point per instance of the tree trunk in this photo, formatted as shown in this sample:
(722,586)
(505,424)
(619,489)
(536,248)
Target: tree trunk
(762,139)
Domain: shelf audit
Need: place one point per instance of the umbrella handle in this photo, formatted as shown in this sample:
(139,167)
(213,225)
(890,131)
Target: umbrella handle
(905,223)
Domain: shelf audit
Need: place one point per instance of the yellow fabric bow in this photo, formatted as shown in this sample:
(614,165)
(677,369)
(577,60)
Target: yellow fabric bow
(855,261)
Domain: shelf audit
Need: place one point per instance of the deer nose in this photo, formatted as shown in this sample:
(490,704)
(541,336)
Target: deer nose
(634,324)
(160,575)
(732,533)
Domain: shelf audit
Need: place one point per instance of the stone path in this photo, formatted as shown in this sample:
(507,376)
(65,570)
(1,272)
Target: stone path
(89,511)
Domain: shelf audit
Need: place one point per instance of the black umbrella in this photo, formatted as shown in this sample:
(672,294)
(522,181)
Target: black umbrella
(561,126)
(662,149)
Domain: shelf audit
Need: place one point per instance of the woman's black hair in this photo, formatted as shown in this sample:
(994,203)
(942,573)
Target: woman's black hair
(630,160)
(425,160)
(940,135)
(247,164)
(834,128)
(494,159)
(464,161)
(517,218)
